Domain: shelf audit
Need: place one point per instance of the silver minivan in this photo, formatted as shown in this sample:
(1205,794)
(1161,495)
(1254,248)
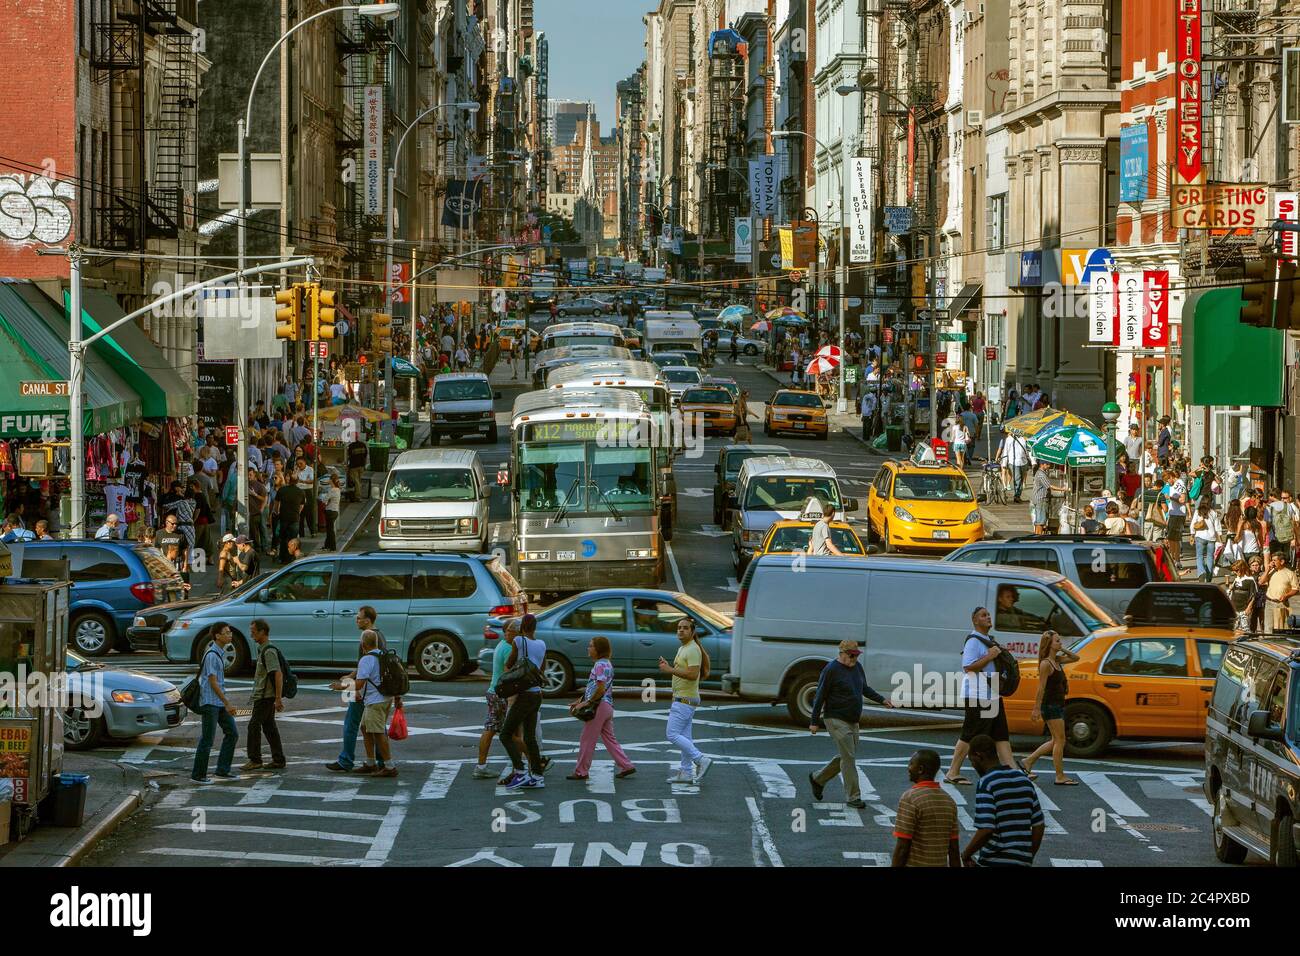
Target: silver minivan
(911,618)
(772,488)
(435,500)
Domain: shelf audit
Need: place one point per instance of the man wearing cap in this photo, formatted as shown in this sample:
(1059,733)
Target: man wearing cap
(1164,442)
(244,565)
(838,707)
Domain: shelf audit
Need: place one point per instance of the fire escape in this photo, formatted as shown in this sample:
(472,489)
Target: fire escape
(905,65)
(724,145)
(152,162)
(361,49)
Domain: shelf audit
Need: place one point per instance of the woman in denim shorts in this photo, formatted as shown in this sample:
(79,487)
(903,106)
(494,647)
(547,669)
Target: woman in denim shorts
(1049,706)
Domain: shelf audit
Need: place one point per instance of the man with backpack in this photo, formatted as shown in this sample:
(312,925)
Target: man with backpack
(365,620)
(981,693)
(376,693)
(269,690)
(522,680)
(215,709)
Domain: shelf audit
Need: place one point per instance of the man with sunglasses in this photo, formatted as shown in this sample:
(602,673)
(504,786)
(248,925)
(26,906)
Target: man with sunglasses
(838,707)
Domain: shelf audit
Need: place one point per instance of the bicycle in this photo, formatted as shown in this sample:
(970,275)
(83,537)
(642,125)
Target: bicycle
(994,490)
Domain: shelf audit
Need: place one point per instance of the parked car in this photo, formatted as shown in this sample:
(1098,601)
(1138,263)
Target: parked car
(583,306)
(640,623)
(744,343)
(1252,751)
(111,582)
(130,703)
(1110,568)
(431,608)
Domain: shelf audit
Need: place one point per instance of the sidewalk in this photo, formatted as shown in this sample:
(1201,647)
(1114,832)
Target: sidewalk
(114,792)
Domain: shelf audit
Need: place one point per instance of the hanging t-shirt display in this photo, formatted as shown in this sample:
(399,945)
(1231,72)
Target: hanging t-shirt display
(115,501)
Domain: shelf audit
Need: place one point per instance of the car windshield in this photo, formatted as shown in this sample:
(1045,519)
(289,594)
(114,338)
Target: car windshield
(790,538)
(680,376)
(436,484)
(1092,616)
(704,612)
(798,400)
(715,396)
(732,388)
(911,486)
(462,390)
(782,493)
(737,458)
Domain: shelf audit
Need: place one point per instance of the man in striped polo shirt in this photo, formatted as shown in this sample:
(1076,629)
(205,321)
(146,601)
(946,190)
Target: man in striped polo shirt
(1008,818)
(926,824)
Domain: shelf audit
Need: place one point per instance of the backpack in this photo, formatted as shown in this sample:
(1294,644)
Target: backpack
(523,676)
(289,686)
(1283,524)
(1006,665)
(1194,493)
(393,679)
(190,692)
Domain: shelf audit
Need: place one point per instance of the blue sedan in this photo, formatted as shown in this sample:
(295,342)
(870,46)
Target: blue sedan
(640,623)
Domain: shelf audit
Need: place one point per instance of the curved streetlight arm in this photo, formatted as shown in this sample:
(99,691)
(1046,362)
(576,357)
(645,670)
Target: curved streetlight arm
(397,150)
(248,112)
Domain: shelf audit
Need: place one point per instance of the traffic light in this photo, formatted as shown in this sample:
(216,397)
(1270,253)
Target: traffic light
(1288,303)
(321,310)
(381,328)
(288,314)
(1258,293)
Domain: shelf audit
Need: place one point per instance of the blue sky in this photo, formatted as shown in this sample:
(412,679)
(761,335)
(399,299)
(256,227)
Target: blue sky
(594,44)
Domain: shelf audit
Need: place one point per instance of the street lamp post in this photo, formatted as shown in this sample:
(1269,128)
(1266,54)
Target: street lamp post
(841,403)
(382,11)
(1110,413)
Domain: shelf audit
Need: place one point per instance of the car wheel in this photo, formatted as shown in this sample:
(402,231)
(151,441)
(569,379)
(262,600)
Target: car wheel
(235,654)
(557,675)
(92,634)
(825,435)
(1088,729)
(596,313)
(1284,849)
(717,516)
(666,525)
(437,657)
(884,539)
(81,731)
(434,438)
(1226,849)
(799,698)
(560,313)
(751,349)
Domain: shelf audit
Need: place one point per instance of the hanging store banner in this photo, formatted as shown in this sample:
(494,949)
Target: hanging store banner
(1187,60)
(1133,163)
(461,203)
(1155,318)
(860,227)
(372,151)
(1284,210)
(397,281)
(743,244)
(787,248)
(1079,265)
(763,185)
(804,238)
(1101,309)
(1219,205)
(1130,310)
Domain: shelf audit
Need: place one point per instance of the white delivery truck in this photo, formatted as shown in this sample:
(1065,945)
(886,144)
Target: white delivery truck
(671,332)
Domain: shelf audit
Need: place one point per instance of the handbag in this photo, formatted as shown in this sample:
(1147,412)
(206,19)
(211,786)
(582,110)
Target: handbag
(1154,515)
(523,676)
(587,711)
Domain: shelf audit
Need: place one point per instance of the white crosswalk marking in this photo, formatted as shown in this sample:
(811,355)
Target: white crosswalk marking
(1048,807)
(872,859)
(600,777)
(959,798)
(776,782)
(1114,797)
(1059,861)
(441,777)
(1188,784)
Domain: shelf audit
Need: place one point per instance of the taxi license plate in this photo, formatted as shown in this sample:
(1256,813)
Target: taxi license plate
(798,424)
(566,555)
(941,535)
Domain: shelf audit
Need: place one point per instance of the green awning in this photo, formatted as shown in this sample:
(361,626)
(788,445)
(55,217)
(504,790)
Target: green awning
(32,351)
(133,355)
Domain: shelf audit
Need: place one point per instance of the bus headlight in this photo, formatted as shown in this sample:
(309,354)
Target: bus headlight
(640,553)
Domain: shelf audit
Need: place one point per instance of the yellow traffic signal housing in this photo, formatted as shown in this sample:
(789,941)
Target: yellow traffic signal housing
(325,314)
(288,314)
(1288,303)
(381,328)
(1258,293)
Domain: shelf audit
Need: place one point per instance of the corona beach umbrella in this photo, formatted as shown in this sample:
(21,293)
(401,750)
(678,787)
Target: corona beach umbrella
(1044,421)
(1073,445)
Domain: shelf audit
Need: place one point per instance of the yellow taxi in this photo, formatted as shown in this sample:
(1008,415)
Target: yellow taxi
(1152,678)
(790,536)
(922,506)
(512,330)
(709,406)
(795,410)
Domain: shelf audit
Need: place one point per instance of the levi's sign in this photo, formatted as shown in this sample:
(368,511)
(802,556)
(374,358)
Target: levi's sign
(1219,205)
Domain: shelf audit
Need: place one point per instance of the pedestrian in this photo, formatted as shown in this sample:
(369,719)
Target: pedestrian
(1133,443)
(365,619)
(837,706)
(1049,706)
(867,410)
(984,714)
(331,496)
(497,705)
(599,695)
(215,709)
(288,509)
(1256,565)
(1175,492)
(304,477)
(925,825)
(258,496)
(1089,524)
(1250,532)
(42,531)
(1040,497)
(688,668)
(375,709)
(1243,592)
(819,540)
(1013,455)
(523,712)
(244,566)
(1116,523)
(294,550)
(1206,531)
(1280,585)
(1008,816)
(1284,517)
(1164,442)
(108,530)
(267,700)
(225,557)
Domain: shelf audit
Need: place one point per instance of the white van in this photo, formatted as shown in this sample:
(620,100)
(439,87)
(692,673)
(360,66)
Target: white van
(910,617)
(772,488)
(671,331)
(435,500)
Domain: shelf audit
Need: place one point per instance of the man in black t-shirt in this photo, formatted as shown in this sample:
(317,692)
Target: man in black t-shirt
(288,502)
(357,452)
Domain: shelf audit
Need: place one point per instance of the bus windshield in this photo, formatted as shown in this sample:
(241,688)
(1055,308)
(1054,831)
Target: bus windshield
(621,477)
(436,484)
(555,341)
(550,476)
(789,493)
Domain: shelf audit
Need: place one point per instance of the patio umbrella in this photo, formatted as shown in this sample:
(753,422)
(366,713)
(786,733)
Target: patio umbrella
(332,413)
(832,354)
(1044,420)
(787,314)
(762,325)
(1073,445)
(734,313)
(820,365)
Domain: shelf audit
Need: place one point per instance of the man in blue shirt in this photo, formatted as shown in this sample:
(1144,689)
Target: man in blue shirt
(840,690)
(215,708)
(1008,818)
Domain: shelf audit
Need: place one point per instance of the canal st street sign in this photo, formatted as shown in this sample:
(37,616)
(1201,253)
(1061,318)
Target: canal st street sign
(44,389)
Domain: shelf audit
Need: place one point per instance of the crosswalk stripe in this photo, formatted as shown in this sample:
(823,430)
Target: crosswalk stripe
(600,777)
(1049,807)
(441,777)
(959,798)
(1115,798)
(296,859)
(275,831)
(875,859)
(776,782)
(1062,861)
(297,812)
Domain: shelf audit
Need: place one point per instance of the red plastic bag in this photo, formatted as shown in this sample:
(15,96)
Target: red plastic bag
(397,726)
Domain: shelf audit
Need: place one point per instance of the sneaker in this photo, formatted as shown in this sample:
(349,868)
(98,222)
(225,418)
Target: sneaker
(681,776)
(483,773)
(534,782)
(200,780)
(253,765)
(226,775)
(702,767)
(817,788)
(855,804)
(386,772)
(517,780)
(338,768)
(276,765)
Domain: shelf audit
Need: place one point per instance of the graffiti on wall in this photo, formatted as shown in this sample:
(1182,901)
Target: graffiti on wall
(35,209)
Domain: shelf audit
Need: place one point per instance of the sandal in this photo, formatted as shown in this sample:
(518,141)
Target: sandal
(576,776)
(958,781)
(1066,783)
(1025,770)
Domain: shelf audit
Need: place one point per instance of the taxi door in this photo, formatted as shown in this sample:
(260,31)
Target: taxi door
(1149,687)
(877,495)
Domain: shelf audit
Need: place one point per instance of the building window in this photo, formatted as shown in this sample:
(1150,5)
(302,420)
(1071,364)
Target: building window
(995,222)
(1112,190)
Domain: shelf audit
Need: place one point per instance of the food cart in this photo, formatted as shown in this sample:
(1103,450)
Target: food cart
(33,640)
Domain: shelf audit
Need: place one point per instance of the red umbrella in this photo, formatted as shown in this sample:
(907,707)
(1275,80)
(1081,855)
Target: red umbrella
(820,365)
(832,354)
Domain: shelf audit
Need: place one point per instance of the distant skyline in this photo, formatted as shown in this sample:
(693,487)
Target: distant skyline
(593,45)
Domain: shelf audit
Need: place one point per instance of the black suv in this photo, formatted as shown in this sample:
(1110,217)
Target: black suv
(1252,750)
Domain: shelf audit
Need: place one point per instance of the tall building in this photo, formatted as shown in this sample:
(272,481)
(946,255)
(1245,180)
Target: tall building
(563,117)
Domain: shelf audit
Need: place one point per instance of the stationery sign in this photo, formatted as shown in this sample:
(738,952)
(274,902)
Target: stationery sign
(1187,58)
(860,211)
(1284,210)
(762,185)
(1101,308)
(1130,310)
(372,151)
(1155,319)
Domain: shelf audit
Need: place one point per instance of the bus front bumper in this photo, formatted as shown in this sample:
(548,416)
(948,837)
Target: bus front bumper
(587,575)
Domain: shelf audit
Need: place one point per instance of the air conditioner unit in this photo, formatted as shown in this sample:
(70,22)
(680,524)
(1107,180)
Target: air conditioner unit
(975,118)
(971,15)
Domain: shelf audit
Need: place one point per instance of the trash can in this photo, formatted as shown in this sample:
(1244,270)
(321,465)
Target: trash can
(379,456)
(67,800)
(894,437)
(406,433)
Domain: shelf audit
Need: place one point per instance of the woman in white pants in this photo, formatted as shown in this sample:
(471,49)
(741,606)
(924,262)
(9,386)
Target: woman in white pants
(689,666)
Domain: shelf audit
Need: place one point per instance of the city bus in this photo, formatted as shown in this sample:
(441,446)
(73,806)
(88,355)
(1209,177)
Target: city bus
(584,491)
(646,380)
(548,359)
(581,333)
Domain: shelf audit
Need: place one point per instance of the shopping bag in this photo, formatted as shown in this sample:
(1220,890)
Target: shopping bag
(397,726)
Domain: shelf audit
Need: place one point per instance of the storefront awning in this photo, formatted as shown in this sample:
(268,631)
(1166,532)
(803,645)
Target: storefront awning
(964,301)
(133,355)
(32,351)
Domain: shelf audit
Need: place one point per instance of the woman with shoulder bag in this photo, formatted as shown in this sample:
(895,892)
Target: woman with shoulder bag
(1243,592)
(1206,529)
(1049,706)
(596,707)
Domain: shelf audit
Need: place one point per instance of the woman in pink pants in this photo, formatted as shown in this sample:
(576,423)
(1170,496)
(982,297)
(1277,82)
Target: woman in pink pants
(600,683)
